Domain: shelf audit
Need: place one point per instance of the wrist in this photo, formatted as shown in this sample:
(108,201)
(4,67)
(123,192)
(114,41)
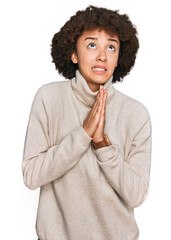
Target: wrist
(103,143)
(97,141)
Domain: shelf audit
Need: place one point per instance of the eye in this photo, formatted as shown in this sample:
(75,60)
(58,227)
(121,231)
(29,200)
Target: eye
(111,47)
(91,45)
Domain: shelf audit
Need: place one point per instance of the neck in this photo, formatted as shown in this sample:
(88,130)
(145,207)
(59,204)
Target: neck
(87,94)
(94,87)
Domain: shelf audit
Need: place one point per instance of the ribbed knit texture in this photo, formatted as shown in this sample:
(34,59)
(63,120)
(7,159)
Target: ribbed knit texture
(86,194)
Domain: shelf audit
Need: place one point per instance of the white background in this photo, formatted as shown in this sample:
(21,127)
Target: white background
(26,30)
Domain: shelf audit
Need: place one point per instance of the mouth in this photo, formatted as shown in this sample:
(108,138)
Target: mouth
(99,69)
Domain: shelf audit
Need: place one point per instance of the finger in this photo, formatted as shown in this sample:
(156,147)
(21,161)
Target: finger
(98,105)
(101,100)
(102,119)
(104,106)
(94,116)
(96,109)
(105,96)
(101,95)
(97,101)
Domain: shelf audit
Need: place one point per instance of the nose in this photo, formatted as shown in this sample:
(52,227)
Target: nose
(101,56)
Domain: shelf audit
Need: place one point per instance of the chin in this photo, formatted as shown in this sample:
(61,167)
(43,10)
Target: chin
(101,80)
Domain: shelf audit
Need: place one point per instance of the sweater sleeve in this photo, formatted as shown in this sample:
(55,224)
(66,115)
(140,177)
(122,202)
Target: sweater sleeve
(129,177)
(43,163)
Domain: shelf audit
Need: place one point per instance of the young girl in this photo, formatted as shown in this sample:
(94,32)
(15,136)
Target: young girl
(88,146)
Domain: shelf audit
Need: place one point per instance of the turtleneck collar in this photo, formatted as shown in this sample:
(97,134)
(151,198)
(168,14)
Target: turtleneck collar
(85,94)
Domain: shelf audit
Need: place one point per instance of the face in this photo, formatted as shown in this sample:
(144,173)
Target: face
(97,57)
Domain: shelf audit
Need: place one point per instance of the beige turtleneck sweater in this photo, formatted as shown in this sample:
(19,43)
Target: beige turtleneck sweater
(86,194)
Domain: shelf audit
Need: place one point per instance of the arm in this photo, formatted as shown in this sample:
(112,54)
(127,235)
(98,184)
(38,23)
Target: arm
(129,177)
(43,163)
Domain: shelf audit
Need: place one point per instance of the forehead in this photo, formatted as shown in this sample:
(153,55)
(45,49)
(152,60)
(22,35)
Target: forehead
(99,34)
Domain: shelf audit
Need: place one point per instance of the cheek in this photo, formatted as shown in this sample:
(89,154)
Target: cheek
(85,59)
(113,60)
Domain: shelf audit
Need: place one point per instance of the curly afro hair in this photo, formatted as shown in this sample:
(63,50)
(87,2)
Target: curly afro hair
(92,18)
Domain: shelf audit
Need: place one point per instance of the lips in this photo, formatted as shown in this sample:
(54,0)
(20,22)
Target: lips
(99,68)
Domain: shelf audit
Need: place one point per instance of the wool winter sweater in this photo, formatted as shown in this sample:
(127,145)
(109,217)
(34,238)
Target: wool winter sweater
(86,194)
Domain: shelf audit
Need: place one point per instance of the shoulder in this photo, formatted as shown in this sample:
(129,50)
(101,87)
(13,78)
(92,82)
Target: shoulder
(132,108)
(52,90)
(49,95)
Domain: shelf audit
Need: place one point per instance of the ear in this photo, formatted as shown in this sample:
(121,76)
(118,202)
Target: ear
(74,58)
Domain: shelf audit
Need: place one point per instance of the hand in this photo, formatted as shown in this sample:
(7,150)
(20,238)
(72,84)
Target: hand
(99,133)
(92,120)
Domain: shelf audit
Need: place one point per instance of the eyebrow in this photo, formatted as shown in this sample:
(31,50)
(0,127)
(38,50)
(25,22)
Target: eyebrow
(94,38)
